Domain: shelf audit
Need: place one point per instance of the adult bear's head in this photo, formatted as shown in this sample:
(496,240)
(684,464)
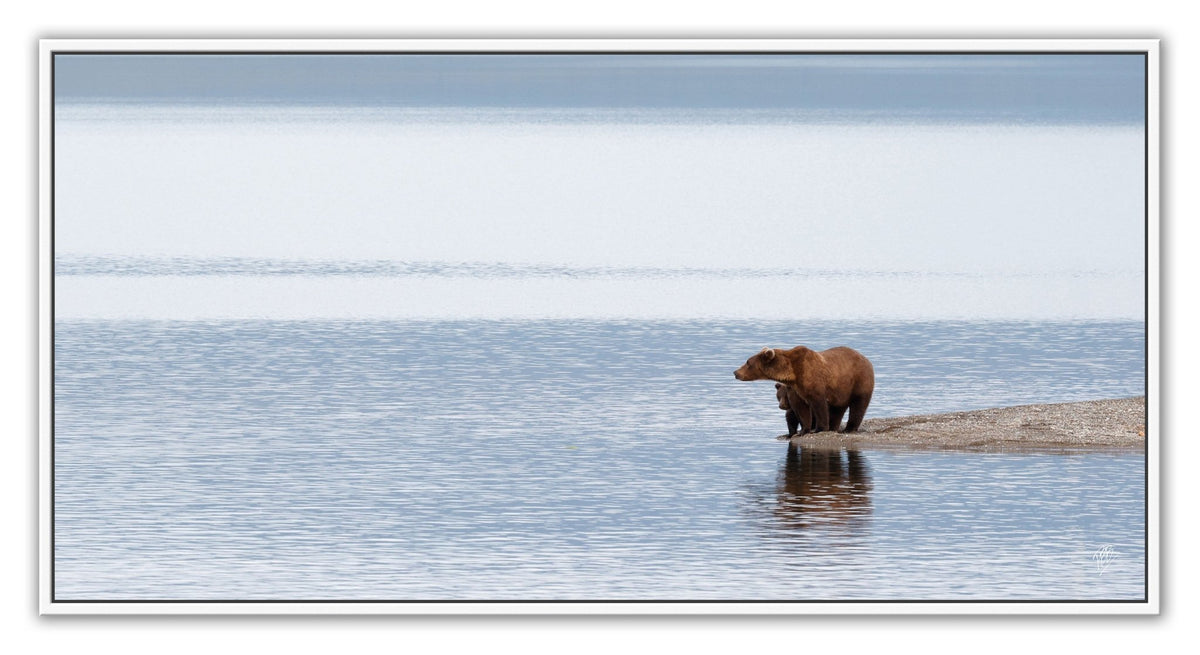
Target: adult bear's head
(769,364)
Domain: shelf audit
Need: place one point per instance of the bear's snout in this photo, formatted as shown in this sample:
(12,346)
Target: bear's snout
(746,373)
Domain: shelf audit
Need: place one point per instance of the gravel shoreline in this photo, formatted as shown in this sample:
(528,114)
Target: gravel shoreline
(1096,424)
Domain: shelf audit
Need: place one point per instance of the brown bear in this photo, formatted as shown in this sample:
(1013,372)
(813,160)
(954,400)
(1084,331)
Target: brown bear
(827,382)
(795,412)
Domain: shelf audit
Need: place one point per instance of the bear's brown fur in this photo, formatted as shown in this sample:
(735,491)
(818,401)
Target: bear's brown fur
(827,382)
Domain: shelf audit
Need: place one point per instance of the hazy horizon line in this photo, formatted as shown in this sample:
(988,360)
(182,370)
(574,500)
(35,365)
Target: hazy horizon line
(209,110)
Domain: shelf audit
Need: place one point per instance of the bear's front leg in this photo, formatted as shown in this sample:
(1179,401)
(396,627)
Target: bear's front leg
(793,421)
(803,414)
(820,416)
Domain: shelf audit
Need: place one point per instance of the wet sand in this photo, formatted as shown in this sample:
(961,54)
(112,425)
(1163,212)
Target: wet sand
(1097,424)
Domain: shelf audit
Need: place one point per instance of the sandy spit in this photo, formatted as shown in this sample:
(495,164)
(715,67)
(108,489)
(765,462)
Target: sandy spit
(1096,424)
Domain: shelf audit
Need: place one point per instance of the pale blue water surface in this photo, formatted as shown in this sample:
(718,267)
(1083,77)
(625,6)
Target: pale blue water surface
(570,459)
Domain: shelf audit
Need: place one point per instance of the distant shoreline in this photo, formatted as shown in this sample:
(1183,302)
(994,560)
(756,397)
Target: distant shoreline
(1096,424)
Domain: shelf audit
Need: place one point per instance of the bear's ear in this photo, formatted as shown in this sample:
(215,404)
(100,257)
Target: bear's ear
(768,353)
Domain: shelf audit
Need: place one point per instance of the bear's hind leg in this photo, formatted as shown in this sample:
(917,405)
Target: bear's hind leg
(835,417)
(858,409)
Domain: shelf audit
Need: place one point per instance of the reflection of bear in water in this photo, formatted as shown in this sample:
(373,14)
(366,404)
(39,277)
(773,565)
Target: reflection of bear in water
(819,487)
(827,383)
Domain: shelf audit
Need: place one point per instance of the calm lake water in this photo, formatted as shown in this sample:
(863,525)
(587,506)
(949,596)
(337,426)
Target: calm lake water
(571,459)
